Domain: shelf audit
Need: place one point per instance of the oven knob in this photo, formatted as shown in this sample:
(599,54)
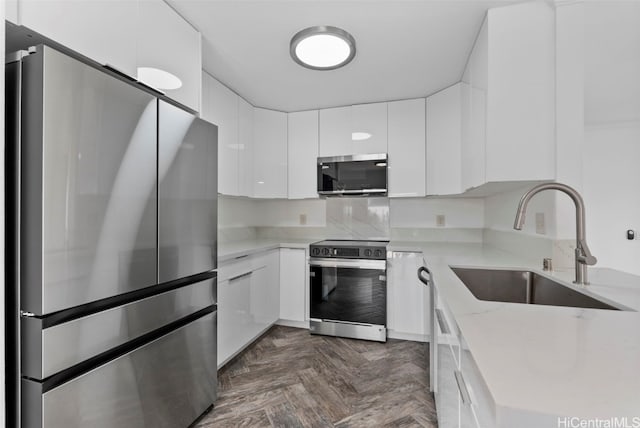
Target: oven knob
(325,251)
(316,251)
(378,253)
(367,253)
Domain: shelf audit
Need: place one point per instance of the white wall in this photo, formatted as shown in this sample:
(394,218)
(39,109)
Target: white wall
(598,117)
(612,193)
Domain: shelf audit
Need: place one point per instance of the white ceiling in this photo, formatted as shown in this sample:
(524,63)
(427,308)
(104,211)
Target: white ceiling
(405,48)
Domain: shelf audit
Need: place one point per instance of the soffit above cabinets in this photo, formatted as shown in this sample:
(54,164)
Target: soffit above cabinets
(405,48)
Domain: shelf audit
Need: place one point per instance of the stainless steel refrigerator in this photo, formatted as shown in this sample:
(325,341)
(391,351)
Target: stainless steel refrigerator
(112,248)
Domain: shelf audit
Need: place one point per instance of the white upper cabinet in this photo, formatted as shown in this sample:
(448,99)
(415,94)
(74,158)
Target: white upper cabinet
(104,31)
(245,148)
(358,129)
(335,132)
(220,106)
(509,133)
(520,143)
(369,128)
(303,154)
(497,125)
(444,139)
(169,43)
(406,148)
(474,117)
(270,153)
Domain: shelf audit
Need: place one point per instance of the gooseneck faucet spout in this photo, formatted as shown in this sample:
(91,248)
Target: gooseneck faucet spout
(583,256)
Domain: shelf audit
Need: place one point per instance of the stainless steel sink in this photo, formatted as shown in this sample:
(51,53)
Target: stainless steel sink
(515,286)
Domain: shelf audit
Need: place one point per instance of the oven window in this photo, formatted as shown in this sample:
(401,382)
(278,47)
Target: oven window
(348,294)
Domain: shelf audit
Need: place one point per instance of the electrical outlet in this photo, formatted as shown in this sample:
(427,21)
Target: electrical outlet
(440,220)
(540,226)
(303,219)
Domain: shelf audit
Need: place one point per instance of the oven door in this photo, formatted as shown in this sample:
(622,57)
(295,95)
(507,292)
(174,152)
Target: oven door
(348,290)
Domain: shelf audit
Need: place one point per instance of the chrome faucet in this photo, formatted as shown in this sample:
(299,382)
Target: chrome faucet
(583,256)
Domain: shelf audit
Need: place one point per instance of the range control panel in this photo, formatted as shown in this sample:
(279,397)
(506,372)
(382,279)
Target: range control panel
(372,250)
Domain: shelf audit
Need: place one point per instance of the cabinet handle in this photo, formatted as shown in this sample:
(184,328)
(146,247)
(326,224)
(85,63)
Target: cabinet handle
(241,257)
(462,387)
(422,278)
(240,276)
(442,322)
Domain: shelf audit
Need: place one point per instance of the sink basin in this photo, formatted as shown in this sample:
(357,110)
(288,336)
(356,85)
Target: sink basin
(516,286)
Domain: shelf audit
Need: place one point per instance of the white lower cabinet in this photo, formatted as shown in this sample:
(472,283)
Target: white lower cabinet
(248,302)
(459,390)
(407,298)
(293,285)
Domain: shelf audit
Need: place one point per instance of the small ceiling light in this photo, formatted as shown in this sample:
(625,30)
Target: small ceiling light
(322,48)
(381,164)
(360,136)
(159,79)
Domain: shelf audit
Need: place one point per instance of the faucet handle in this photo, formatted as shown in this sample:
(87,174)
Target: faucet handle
(583,255)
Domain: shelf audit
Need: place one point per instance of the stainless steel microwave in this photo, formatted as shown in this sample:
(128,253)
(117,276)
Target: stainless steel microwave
(354,175)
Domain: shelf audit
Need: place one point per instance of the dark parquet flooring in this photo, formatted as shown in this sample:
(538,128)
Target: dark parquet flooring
(289,378)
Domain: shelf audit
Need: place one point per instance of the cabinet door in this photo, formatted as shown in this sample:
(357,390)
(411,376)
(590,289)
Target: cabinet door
(270,154)
(303,154)
(335,132)
(222,110)
(273,285)
(259,304)
(521,101)
(104,31)
(444,139)
(369,128)
(407,296)
(406,145)
(167,42)
(293,284)
(447,395)
(474,147)
(226,324)
(245,148)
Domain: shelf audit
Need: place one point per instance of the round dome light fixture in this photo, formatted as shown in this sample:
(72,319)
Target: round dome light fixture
(322,47)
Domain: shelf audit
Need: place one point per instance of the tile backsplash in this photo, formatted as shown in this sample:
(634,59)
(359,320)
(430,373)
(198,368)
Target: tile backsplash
(358,218)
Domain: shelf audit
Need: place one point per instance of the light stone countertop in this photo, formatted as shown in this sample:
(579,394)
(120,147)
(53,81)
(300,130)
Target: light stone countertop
(231,250)
(538,362)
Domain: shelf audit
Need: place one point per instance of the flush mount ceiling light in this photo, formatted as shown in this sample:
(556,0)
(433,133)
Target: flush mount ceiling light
(159,79)
(322,47)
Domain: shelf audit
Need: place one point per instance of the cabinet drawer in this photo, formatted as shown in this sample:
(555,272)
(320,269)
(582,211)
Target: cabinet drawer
(241,265)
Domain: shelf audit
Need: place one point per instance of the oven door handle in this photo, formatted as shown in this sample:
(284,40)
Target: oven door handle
(349,263)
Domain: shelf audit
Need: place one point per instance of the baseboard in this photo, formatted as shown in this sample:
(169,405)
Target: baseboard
(392,334)
(291,323)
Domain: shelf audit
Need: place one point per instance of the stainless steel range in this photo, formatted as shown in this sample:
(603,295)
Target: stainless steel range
(348,291)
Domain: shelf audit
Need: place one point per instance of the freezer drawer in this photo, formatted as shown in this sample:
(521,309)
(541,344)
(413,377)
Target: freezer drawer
(88,183)
(188,192)
(49,350)
(166,383)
